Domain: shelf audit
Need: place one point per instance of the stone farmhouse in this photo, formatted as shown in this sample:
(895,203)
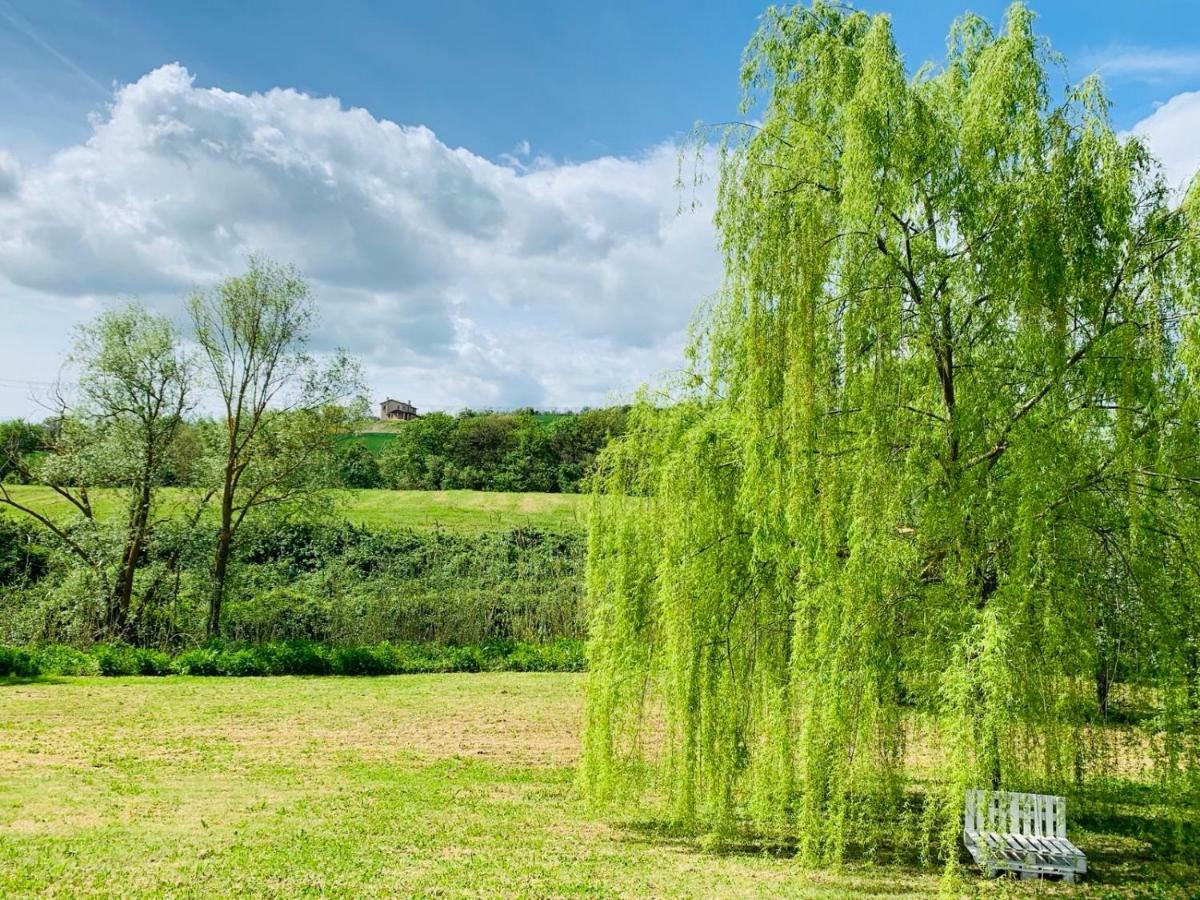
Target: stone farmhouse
(391,409)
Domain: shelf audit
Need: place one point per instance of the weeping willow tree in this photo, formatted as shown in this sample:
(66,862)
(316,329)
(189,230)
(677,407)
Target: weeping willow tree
(923,511)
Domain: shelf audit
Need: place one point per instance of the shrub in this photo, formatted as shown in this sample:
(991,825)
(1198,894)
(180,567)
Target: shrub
(116,659)
(300,658)
(59,659)
(153,662)
(326,582)
(356,467)
(200,661)
(15,661)
(294,658)
(363,660)
(22,557)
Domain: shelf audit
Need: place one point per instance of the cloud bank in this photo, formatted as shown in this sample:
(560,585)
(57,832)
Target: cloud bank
(458,280)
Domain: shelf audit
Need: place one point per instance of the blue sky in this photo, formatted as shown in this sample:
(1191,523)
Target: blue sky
(575,80)
(514,240)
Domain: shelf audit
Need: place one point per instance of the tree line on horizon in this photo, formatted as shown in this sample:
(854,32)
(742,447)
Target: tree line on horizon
(484,451)
(520,450)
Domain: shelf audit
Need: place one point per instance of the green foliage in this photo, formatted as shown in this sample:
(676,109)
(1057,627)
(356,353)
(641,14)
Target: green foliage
(22,558)
(356,466)
(115,659)
(347,585)
(19,440)
(520,451)
(295,658)
(320,581)
(416,455)
(121,430)
(20,662)
(930,478)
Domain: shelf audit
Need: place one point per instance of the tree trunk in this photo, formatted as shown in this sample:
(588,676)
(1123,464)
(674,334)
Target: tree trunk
(220,567)
(221,558)
(1103,682)
(122,597)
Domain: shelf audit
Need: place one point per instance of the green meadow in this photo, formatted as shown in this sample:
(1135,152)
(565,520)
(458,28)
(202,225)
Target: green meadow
(446,785)
(459,785)
(459,510)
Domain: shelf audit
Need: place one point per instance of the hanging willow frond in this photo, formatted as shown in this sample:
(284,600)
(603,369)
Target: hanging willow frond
(955,346)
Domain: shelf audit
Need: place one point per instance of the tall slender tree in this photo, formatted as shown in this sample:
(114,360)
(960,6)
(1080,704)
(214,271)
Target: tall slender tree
(118,430)
(915,485)
(280,406)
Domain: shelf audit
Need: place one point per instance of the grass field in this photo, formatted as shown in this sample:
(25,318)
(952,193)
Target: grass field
(462,509)
(465,510)
(456,785)
(375,441)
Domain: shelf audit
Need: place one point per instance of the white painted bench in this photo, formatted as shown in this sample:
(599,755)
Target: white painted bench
(1021,833)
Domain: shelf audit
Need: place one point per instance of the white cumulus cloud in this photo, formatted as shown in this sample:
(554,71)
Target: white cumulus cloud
(460,281)
(1173,133)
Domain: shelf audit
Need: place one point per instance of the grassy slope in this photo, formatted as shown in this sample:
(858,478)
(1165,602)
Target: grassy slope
(466,510)
(461,785)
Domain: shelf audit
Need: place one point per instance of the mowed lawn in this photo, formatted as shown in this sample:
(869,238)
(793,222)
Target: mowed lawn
(460,510)
(457,785)
(466,510)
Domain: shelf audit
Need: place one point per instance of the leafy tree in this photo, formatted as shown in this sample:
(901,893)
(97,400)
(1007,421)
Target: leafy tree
(482,439)
(18,440)
(185,464)
(21,558)
(515,451)
(281,407)
(356,466)
(576,439)
(416,457)
(932,462)
(529,465)
(133,391)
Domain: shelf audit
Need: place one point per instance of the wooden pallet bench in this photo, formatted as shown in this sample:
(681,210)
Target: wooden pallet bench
(1025,834)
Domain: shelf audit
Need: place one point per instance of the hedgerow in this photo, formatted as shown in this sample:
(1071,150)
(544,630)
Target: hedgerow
(325,582)
(293,658)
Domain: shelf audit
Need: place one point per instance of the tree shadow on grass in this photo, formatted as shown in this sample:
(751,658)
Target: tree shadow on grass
(1133,848)
(18,680)
(857,876)
(1132,840)
(665,834)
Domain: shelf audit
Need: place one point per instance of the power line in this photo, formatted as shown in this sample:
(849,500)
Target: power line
(19,382)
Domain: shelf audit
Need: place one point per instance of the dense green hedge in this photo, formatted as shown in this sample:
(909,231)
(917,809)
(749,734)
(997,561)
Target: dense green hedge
(329,583)
(293,658)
